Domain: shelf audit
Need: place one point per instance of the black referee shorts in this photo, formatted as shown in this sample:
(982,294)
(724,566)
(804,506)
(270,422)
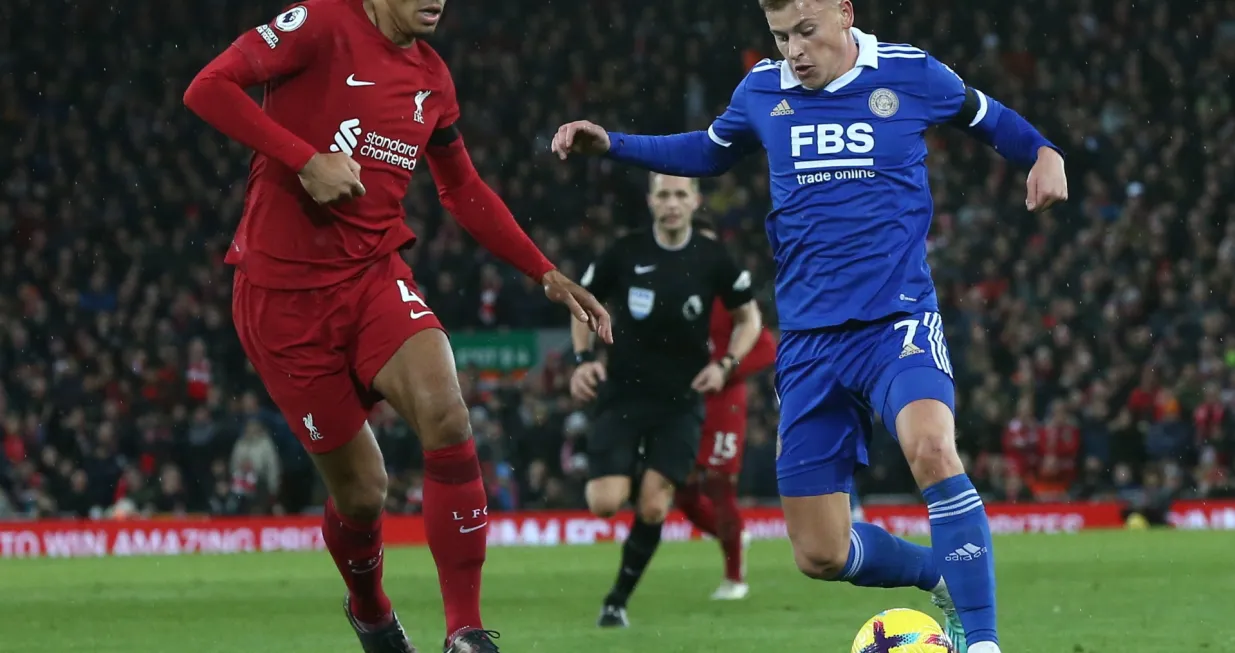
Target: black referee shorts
(628,436)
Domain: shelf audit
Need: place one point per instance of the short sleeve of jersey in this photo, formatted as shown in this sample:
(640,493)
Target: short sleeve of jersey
(602,276)
(733,284)
(733,126)
(287,44)
(945,91)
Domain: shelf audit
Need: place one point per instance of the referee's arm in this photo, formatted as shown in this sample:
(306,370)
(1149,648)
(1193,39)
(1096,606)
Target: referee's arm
(747,325)
(735,292)
(590,373)
(599,279)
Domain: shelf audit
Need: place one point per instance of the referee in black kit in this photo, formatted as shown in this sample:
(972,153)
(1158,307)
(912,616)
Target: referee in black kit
(661,285)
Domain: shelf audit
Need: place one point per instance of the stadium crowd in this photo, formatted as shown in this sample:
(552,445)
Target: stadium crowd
(1094,346)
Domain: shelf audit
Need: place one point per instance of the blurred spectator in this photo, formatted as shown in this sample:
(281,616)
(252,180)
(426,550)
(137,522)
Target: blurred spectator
(6,506)
(255,470)
(1167,437)
(170,496)
(1059,447)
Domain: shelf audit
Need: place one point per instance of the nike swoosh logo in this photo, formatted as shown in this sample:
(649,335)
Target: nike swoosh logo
(644,269)
(465,529)
(352,81)
(416,315)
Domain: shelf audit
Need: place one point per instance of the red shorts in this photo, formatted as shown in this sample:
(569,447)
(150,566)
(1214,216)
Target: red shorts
(724,435)
(317,350)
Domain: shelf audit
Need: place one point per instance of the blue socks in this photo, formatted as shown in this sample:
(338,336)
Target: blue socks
(879,559)
(960,553)
(961,543)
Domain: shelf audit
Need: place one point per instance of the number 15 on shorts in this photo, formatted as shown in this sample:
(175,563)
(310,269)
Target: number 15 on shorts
(410,297)
(724,447)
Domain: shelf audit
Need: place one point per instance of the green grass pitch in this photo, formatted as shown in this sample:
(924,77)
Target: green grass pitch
(1103,592)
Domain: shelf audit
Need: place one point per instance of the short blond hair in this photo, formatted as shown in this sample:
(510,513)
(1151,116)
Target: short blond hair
(777,5)
(694,182)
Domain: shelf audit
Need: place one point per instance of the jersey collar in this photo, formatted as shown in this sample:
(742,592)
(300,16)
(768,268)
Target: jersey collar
(868,57)
(668,248)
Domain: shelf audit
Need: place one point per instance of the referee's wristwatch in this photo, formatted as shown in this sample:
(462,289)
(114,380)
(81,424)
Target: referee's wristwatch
(582,357)
(729,363)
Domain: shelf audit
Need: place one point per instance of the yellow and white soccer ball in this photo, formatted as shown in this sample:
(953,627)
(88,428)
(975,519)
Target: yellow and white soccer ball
(902,631)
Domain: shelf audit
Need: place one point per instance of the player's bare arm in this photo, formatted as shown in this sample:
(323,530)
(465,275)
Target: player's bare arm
(586,309)
(747,325)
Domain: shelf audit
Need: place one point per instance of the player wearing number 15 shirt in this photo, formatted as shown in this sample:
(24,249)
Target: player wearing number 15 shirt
(326,309)
(842,120)
(709,499)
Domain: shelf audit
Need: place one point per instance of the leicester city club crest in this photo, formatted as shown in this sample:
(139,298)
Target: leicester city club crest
(884,103)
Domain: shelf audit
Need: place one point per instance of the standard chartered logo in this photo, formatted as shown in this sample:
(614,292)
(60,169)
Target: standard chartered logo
(352,139)
(345,138)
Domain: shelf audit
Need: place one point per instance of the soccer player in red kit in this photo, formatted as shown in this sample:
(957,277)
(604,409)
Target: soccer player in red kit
(710,498)
(324,304)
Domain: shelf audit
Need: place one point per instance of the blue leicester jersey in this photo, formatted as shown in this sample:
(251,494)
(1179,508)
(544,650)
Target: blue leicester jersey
(851,204)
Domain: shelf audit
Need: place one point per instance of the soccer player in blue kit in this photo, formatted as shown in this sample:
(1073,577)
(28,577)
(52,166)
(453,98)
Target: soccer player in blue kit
(841,119)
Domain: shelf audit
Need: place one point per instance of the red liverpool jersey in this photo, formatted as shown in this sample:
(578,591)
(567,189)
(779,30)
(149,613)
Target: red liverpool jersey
(334,81)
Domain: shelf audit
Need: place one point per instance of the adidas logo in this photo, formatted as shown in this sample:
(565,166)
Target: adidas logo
(966,553)
(911,349)
(782,109)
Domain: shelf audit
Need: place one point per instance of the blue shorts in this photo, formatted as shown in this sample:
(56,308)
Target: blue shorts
(831,382)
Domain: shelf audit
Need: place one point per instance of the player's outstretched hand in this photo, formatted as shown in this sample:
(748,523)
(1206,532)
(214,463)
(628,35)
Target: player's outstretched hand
(1047,183)
(709,379)
(585,379)
(580,137)
(332,177)
(581,303)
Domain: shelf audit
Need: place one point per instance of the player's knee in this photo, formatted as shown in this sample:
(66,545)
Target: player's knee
(604,499)
(363,498)
(928,437)
(653,510)
(933,457)
(821,561)
(445,425)
(603,506)
(655,497)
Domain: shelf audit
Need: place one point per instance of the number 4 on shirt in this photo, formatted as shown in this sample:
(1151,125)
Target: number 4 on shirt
(410,297)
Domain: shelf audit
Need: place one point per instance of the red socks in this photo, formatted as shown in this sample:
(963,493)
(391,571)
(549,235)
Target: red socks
(456,518)
(357,551)
(713,509)
(729,525)
(697,508)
